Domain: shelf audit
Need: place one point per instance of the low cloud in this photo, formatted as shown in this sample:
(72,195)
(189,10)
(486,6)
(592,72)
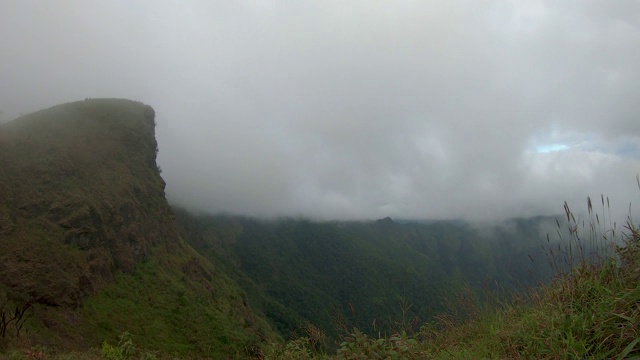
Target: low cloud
(359,109)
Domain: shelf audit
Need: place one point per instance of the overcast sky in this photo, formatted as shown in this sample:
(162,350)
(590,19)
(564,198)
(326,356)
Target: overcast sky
(354,109)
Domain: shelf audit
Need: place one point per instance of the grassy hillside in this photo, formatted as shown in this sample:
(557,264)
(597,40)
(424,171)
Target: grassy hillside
(88,244)
(376,276)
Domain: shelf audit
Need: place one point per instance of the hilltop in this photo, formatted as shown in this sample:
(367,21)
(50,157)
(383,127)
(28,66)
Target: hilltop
(89,246)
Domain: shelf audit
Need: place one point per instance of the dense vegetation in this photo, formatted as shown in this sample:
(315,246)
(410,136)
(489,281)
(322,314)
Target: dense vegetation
(370,275)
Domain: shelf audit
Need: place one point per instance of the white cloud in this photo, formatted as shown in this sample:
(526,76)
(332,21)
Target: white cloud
(354,109)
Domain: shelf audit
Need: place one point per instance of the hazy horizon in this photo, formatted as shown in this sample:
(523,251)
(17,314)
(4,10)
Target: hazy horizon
(355,110)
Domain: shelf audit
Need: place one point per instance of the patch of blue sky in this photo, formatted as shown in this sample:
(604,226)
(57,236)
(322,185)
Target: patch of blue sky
(546,148)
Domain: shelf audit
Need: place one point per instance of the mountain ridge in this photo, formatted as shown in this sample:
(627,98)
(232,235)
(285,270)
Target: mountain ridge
(364,274)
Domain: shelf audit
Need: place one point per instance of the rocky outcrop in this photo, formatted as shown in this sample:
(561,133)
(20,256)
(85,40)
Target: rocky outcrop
(81,198)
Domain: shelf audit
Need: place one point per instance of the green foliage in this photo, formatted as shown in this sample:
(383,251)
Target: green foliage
(110,352)
(299,348)
(359,346)
(312,345)
(125,350)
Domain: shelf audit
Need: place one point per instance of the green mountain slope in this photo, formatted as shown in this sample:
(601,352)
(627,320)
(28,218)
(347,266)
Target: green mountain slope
(88,242)
(376,276)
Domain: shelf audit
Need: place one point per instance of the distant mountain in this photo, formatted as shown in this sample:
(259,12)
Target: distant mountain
(89,246)
(370,275)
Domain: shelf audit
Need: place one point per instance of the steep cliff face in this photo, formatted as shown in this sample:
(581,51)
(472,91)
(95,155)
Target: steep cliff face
(82,209)
(81,188)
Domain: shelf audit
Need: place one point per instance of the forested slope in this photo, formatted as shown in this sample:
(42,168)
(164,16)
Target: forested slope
(372,275)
